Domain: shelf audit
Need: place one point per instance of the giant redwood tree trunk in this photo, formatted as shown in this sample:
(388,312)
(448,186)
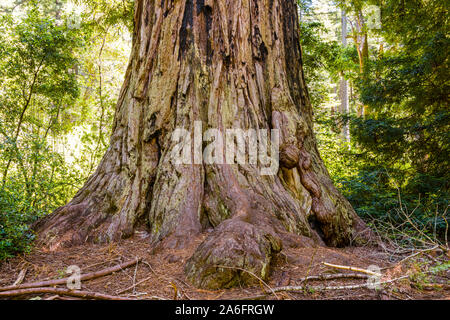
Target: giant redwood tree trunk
(228,64)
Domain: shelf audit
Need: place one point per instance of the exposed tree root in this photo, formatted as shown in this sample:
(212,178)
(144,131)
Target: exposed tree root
(235,243)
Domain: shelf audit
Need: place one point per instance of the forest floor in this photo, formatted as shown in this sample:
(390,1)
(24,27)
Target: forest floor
(160,275)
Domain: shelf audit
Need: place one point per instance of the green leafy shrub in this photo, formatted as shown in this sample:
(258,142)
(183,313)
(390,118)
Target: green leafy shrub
(15,235)
(60,82)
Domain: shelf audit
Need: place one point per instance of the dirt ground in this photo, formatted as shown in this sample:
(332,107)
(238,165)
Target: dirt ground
(164,278)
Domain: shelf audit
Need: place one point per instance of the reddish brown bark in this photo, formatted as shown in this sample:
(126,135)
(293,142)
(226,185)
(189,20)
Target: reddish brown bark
(228,64)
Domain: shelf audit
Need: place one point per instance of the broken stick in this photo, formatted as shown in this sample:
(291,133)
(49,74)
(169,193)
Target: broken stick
(356,269)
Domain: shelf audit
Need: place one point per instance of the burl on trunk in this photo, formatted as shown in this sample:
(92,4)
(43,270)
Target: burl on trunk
(226,64)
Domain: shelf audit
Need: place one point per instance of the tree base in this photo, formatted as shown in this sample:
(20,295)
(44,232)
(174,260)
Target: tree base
(238,252)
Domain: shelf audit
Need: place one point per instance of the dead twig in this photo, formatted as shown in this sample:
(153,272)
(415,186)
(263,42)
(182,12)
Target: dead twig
(419,252)
(134,277)
(356,269)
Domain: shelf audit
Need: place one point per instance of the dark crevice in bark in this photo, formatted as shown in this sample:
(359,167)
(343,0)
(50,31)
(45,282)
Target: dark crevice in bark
(186,35)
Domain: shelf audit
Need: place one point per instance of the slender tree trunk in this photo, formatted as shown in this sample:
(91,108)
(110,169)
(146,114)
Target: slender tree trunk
(360,38)
(343,83)
(226,64)
(27,101)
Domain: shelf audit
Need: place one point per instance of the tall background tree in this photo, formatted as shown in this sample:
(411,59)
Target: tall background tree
(396,166)
(60,75)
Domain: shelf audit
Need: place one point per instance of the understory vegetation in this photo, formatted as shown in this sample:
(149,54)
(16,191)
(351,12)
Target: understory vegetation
(394,164)
(61,67)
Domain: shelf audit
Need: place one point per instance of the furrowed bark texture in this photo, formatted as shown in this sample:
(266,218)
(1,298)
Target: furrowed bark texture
(228,64)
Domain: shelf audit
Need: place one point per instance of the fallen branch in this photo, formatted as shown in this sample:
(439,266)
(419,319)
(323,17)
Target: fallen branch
(313,278)
(318,288)
(356,269)
(325,288)
(335,276)
(88,276)
(61,291)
